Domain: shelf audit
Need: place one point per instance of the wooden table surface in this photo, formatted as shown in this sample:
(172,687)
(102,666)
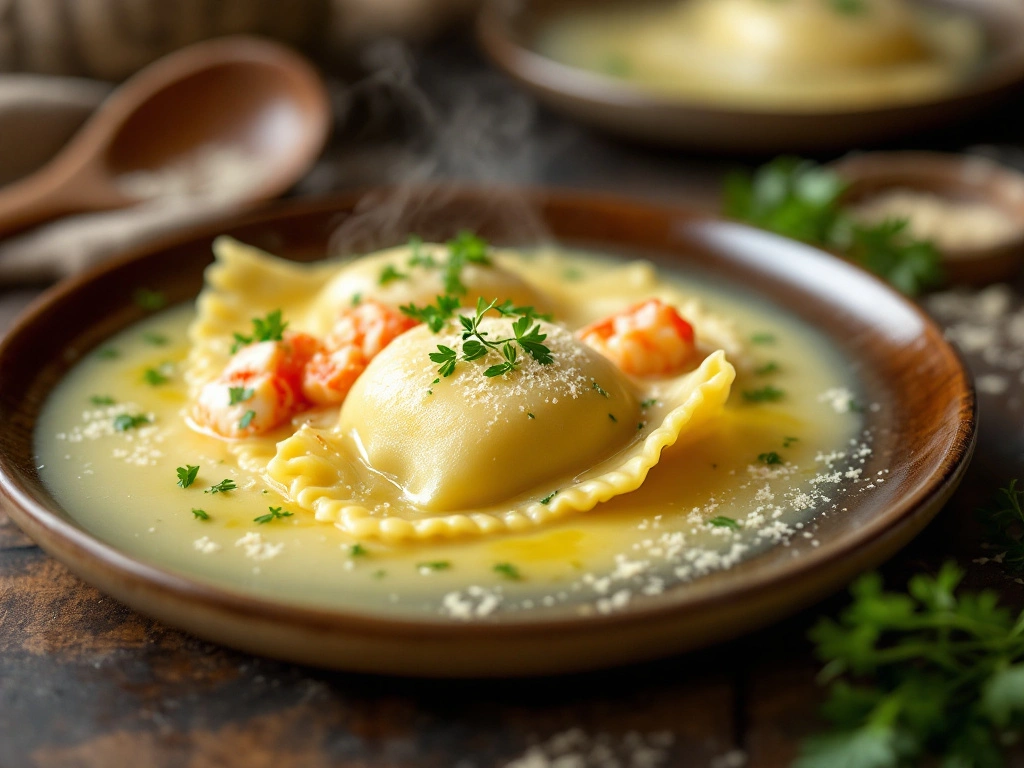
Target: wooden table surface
(85,681)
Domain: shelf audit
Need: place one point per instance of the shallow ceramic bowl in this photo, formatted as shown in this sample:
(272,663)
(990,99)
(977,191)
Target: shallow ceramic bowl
(507,30)
(924,431)
(955,177)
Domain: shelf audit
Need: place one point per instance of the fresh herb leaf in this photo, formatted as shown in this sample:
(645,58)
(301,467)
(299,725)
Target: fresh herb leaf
(108,353)
(768,394)
(187,475)
(200,514)
(389,275)
(127,421)
(433,565)
(788,441)
(769,458)
(102,400)
(446,357)
(762,338)
(599,389)
(1004,525)
(155,376)
(149,300)
(418,258)
(356,300)
(269,328)
(799,199)
(465,248)
(358,550)
(434,315)
(222,487)
(246,420)
(767,368)
(530,415)
(649,403)
(921,677)
(156,339)
(509,571)
(275,513)
(724,522)
(238,395)
(547,499)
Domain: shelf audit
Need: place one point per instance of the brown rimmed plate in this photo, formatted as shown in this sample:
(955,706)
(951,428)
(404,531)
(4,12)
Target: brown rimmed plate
(507,30)
(923,427)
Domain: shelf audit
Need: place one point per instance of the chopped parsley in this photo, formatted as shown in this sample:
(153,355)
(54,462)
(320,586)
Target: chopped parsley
(465,248)
(547,499)
(222,487)
(649,403)
(238,395)
(102,400)
(849,7)
(767,368)
(509,571)
(156,339)
(155,376)
(788,441)
(599,389)
(127,421)
(187,475)
(275,513)
(724,522)
(389,275)
(612,417)
(246,420)
(640,425)
(357,299)
(149,300)
(358,550)
(108,353)
(418,258)
(433,565)
(762,338)
(269,328)
(200,514)
(769,458)
(767,394)
(434,315)
(529,415)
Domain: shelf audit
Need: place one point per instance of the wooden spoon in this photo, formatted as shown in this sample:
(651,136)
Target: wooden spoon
(257,101)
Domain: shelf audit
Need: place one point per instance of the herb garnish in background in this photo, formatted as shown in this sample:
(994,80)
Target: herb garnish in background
(127,421)
(724,522)
(918,674)
(802,200)
(1004,525)
(767,394)
(102,400)
(509,571)
(149,300)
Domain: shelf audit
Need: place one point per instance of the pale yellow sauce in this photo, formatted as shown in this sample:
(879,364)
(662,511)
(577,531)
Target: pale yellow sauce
(121,485)
(773,54)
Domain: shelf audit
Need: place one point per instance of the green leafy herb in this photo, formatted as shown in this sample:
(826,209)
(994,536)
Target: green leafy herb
(222,487)
(476,344)
(434,315)
(246,420)
(767,368)
(358,550)
(920,674)
(127,421)
(108,353)
(769,458)
(547,499)
(640,425)
(155,376)
(762,338)
(1004,525)
(530,415)
(102,400)
(767,394)
(149,300)
(389,275)
(600,390)
(187,475)
(200,514)
(465,248)
(802,200)
(357,299)
(418,257)
(156,339)
(649,403)
(724,522)
(238,395)
(434,565)
(509,571)
(275,513)
(269,328)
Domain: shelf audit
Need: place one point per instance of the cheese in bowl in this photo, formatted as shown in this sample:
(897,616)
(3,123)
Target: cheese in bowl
(773,54)
(454,429)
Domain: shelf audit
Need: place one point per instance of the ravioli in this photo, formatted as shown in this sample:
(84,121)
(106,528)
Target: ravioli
(414,454)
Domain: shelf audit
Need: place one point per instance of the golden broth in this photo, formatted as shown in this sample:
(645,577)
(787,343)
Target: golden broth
(773,54)
(770,466)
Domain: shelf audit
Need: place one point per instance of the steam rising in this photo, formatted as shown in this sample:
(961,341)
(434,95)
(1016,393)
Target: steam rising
(470,129)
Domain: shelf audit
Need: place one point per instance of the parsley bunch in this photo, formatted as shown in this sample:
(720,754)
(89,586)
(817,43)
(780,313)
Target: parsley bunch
(800,199)
(918,674)
(526,334)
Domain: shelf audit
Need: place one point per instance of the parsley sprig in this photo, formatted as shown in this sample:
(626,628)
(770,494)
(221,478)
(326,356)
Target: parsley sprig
(187,475)
(222,487)
(917,674)
(269,328)
(275,513)
(465,248)
(476,344)
(802,200)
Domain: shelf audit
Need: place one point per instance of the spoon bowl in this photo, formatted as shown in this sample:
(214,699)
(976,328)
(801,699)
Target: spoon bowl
(238,105)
